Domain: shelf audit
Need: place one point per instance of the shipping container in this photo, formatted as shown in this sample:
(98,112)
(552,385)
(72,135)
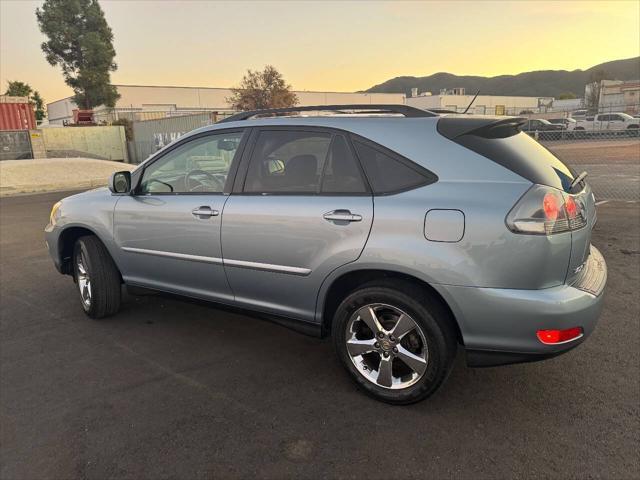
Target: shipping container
(16,116)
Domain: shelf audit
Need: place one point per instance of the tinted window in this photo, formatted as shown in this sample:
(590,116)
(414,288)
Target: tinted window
(199,165)
(287,162)
(523,155)
(341,172)
(387,174)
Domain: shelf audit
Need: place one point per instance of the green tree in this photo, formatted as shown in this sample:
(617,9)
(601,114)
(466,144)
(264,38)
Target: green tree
(567,96)
(22,89)
(81,42)
(259,90)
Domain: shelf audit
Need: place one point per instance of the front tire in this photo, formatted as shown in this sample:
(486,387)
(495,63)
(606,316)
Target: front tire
(397,341)
(97,278)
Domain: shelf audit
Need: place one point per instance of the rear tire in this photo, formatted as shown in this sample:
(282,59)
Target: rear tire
(428,342)
(97,277)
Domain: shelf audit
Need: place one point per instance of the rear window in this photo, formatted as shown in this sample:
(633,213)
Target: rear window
(388,172)
(523,155)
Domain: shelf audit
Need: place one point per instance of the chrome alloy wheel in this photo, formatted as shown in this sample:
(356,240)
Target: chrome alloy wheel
(387,346)
(84,280)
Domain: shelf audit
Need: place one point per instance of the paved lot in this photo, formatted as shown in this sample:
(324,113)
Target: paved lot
(176,389)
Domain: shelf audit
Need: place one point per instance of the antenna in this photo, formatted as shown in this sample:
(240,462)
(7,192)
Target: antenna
(472,100)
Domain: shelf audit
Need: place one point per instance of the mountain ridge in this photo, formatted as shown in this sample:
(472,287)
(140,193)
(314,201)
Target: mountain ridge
(538,83)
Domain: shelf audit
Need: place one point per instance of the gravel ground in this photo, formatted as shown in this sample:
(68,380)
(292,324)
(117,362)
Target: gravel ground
(55,174)
(578,152)
(613,166)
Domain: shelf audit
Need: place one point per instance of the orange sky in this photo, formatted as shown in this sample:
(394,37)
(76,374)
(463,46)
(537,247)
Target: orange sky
(330,45)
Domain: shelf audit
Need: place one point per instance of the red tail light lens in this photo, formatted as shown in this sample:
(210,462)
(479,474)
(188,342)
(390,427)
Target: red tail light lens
(571,206)
(545,211)
(551,206)
(551,337)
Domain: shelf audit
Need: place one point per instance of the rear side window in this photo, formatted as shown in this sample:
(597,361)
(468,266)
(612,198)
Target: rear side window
(341,172)
(388,172)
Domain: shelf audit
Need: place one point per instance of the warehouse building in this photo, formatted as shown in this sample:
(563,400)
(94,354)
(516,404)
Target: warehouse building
(457,100)
(139,102)
(620,96)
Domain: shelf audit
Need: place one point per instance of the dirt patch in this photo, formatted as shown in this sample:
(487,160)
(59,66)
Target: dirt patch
(587,151)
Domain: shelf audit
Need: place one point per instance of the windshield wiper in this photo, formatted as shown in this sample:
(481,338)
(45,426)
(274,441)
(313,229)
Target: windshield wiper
(577,180)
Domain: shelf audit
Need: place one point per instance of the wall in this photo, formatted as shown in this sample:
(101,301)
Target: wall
(106,143)
(484,104)
(37,144)
(150,136)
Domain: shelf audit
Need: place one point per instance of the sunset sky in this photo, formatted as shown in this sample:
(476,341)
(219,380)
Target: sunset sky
(334,46)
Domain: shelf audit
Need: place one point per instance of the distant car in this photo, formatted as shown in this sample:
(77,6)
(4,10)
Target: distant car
(579,114)
(540,125)
(404,237)
(565,122)
(617,121)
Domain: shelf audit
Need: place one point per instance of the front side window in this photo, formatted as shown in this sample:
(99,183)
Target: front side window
(287,162)
(200,165)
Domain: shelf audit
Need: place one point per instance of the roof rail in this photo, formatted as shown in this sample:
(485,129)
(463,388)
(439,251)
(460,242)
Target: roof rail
(405,110)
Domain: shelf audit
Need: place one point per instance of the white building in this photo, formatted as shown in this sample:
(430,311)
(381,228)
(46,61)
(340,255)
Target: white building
(619,96)
(138,102)
(457,100)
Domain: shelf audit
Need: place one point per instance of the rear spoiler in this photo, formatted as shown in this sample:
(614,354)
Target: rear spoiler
(456,126)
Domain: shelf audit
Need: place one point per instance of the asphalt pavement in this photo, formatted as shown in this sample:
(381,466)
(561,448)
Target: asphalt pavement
(171,388)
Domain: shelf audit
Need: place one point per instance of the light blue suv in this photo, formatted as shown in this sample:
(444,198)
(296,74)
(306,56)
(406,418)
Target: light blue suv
(401,233)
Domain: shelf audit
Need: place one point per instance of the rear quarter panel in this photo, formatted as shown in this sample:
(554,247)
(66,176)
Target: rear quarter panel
(488,255)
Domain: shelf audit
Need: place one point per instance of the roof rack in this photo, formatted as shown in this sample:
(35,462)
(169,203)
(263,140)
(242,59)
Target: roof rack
(405,110)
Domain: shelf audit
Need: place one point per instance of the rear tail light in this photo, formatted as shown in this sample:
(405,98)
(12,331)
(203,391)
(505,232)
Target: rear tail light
(552,337)
(545,211)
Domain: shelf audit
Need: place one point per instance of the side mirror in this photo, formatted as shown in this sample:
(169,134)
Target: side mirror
(120,182)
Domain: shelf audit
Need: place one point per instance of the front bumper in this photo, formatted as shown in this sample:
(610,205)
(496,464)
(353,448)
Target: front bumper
(51,237)
(499,325)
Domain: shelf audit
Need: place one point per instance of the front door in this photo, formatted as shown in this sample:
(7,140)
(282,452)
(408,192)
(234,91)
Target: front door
(169,230)
(304,209)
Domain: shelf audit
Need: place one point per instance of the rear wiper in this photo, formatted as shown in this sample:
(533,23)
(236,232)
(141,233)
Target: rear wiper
(577,180)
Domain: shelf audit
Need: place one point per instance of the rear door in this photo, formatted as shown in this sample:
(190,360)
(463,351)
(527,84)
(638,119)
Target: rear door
(300,209)
(169,229)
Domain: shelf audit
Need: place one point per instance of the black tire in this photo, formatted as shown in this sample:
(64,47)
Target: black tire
(428,313)
(105,284)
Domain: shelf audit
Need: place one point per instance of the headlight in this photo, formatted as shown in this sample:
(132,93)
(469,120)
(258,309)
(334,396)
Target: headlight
(54,211)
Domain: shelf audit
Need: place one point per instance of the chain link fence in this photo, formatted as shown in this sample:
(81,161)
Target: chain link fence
(610,154)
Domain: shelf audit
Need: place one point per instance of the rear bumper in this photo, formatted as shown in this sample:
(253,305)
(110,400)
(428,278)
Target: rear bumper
(499,325)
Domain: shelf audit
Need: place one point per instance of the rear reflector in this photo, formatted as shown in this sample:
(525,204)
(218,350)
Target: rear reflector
(551,337)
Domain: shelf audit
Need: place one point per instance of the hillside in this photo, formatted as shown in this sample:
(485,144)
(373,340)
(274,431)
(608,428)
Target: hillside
(543,83)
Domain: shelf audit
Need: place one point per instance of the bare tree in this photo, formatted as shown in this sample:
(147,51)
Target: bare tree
(259,90)
(592,90)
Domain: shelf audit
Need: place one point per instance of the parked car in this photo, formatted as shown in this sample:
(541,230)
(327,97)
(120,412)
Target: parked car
(621,122)
(565,122)
(541,125)
(403,235)
(580,114)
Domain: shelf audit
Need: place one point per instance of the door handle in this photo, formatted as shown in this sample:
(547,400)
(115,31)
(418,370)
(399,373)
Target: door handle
(204,211)
(342,216)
